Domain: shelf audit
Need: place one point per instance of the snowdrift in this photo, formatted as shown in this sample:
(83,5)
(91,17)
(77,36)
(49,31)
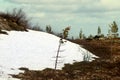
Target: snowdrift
(36,50)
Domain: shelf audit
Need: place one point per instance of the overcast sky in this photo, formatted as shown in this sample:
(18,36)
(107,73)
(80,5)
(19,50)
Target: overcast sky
(79,14)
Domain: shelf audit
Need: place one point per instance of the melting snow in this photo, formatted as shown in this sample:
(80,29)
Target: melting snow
(35,50)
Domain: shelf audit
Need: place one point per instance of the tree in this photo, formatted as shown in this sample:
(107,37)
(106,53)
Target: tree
(65,32)
(72,38)
(114,29)
(64,36)
(99,31)
(48,29)
(81,34)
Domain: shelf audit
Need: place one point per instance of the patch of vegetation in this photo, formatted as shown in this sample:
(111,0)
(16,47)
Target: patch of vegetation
(15,20)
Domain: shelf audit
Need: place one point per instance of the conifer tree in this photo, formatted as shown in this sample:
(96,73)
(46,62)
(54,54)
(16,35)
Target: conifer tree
(48,29)
(99,31)
(81,34)
(114,29)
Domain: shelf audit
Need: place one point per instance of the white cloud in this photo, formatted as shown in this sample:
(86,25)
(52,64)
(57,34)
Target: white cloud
(63,8)
(56,1)
(40,15)
(71,5)
(46,1)
(111,4)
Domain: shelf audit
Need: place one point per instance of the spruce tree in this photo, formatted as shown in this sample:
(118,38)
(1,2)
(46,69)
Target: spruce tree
(114,29)
(81,34)
(99,31)
(48,29)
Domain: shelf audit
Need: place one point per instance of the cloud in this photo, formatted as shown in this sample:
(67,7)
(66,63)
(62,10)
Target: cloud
(69,9)
(73,12)
(56,1)
(86,4)
(71,6)
(46,1)
(111,4)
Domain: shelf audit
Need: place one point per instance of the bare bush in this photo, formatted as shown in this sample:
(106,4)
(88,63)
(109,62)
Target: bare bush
(16,19)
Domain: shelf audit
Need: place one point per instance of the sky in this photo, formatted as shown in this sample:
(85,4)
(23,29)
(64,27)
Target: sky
(78,14)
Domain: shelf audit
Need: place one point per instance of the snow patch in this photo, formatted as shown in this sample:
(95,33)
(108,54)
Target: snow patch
(36,50)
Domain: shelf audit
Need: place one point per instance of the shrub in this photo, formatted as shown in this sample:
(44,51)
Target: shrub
(16,20)
(49,29)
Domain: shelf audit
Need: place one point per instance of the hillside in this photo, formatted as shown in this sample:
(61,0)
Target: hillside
(36,50)
(30,55)
(107,67)
(39,46)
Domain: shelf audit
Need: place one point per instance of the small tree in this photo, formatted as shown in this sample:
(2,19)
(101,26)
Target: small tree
(114,29)
(81,34)
(64,35)
(72,38)
(99,31)
(48,29)
(65,32)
